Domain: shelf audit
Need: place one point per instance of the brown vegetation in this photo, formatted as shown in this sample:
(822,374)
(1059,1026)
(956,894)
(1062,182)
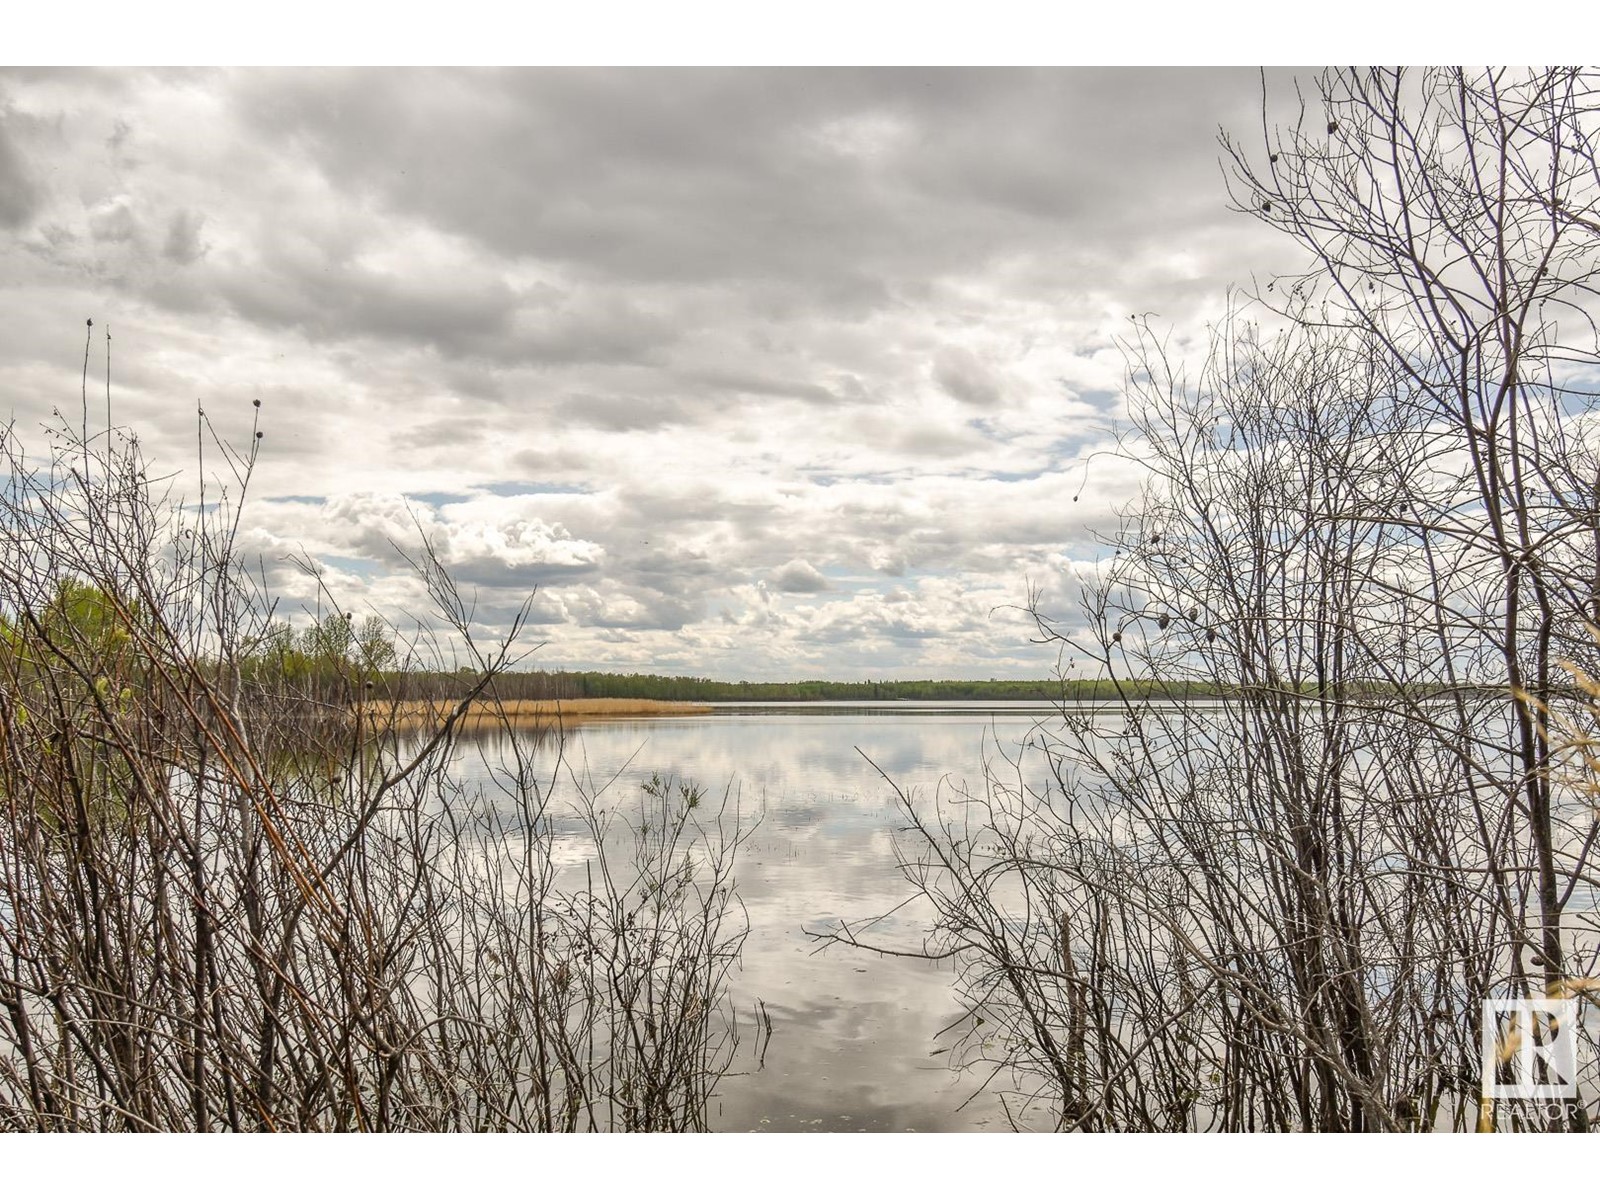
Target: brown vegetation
(223,908)
(411,715)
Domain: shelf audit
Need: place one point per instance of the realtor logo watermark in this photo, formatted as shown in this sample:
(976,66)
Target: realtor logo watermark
(1530,1049)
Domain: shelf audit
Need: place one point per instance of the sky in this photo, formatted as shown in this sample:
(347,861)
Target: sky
(742,373)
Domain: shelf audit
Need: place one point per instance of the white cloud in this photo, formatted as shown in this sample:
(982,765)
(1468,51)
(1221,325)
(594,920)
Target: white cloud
(745,373)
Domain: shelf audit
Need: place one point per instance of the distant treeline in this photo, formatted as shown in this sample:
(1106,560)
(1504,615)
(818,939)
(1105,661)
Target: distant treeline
(337,659)
(583,685)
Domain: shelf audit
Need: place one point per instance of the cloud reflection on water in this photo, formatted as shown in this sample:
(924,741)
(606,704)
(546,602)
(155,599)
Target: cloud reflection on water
(854,1043)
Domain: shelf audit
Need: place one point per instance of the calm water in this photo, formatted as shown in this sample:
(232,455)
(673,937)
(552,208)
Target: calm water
(854,1043)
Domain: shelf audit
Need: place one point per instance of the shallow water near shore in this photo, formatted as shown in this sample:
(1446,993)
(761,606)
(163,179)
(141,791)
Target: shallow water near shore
(856,1039)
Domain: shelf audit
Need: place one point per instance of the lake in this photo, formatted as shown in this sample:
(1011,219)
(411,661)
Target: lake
(855,1036)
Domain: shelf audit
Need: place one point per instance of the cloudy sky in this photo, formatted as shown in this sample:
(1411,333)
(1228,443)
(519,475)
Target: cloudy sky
(750,374)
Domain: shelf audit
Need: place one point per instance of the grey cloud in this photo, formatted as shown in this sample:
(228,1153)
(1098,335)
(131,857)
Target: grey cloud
(116,223)
(619,413)
(797,575)
(934,441)
(838,182)
(490,572)
(473,378)
(562,464)
(183,245)
(702,502)
(19,197)
(327,298)
(964,378)
(631,172)
(752,384)
(519,487)
(669,568)
(591,329)
(443,433)
(631,608)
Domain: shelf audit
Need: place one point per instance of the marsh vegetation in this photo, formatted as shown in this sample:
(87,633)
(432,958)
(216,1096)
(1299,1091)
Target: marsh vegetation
(224,904)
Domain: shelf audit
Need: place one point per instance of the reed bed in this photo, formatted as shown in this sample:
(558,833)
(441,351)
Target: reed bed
(412,715)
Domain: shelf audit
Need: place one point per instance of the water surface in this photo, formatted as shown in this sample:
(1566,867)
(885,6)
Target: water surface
(855,1042)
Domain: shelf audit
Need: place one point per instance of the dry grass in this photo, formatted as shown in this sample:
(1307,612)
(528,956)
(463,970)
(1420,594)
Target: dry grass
(411,714)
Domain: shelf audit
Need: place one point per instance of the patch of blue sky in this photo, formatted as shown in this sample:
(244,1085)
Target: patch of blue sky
(1103,400)
(1578,388)
(438,499)
(834,478)
(844,579)
(1018,476)
(535,487)
(1067,450)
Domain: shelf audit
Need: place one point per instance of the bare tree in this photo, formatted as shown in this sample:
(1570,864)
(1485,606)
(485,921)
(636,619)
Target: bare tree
(1371,535)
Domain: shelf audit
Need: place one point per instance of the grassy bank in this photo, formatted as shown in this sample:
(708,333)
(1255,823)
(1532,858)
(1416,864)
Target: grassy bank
(420,714)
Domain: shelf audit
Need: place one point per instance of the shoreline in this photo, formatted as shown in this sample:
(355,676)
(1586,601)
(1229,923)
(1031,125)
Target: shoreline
(412,714)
